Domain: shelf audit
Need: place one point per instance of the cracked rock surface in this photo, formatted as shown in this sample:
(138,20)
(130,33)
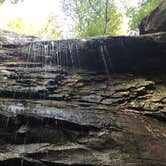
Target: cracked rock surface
(53,115)
(61,116)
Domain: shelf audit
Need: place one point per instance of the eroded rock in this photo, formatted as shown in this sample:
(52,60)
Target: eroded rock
(155,21)
(12,39)
(118,54)
(53,115)
(81,118)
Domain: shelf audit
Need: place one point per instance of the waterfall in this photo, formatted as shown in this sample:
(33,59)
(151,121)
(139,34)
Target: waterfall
(72,52)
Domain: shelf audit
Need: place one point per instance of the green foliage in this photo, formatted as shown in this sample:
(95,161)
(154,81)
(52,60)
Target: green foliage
(90,18)
(137,14)
(2,1)
(94,17)
(76,76)
(20,26)
(16,25)
(50,29)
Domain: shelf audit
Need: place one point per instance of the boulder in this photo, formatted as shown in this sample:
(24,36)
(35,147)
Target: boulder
(155,21)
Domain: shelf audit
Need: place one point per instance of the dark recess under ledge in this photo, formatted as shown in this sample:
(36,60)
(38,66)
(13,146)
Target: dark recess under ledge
(118,54)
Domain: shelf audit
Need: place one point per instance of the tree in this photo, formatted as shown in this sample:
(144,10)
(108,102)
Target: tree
(2,1)
(50,29)
(17,25)
(135,15)
(93,17)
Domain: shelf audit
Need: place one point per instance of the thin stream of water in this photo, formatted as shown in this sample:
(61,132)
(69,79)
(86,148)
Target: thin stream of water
(104,59)
(63,53)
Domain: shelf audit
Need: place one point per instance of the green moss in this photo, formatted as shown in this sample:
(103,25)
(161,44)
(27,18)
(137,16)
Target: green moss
(66,95)
(76,76)
(54,104)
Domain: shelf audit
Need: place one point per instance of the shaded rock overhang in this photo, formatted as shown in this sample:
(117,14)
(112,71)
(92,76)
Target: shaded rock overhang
(113,54)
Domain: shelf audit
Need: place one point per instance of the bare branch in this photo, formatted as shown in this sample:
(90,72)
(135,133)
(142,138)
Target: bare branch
(91,5)
(106,16)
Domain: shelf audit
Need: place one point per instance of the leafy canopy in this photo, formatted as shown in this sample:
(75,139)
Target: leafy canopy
(137,14)
(89,18)
(93,17)
(48,30)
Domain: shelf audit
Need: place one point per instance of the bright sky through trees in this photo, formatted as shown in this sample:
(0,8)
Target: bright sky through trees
(33,12)
(36,12)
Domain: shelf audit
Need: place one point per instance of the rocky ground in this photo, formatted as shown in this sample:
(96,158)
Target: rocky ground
(66,116)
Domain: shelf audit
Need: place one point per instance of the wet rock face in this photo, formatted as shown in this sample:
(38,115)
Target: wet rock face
(63,116)
(156,21)
(52,115)
(121,54)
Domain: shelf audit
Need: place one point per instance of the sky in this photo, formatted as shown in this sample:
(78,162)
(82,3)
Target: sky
(31,10)
(35,12)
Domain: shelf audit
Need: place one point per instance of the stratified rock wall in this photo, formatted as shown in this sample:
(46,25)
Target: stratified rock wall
(63,116)
(14,39)
(55,112)
(138,54)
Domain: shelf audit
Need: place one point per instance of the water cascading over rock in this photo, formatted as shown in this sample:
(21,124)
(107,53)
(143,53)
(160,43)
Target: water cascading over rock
(59,107)
(108,54)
